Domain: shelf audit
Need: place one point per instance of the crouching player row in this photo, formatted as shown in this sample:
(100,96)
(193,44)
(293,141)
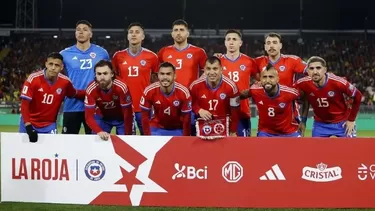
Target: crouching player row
(211,97)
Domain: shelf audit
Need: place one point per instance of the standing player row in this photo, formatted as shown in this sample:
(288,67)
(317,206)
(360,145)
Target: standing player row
(137,67)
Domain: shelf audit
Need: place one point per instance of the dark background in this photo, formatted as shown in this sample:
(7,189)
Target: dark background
(250,14)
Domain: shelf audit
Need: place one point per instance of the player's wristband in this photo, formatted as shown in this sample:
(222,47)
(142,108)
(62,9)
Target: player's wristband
(304,119)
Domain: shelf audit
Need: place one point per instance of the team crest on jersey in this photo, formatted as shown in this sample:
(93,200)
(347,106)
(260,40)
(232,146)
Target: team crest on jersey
(331,93)
(222,96)
(128,99)
(143,62)
(114,97)
(282,68)
(58,91)
(207,129)
(176,103)
(243,67)
(93,55)
(86,101)
(189,55)
(282,105)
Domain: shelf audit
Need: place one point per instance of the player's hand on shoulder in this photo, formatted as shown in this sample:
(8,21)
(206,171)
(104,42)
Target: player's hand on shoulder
(103,135)
(31,132)
(204,114)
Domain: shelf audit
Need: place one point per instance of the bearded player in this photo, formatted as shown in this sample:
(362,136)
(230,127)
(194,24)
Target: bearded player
(327,94)
(275,105)
(215,98)
(42,95)
(288,66)
(188,59)
(108,103)
(171,102)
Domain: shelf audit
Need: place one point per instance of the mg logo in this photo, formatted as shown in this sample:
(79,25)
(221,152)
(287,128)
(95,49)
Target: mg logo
(232,171)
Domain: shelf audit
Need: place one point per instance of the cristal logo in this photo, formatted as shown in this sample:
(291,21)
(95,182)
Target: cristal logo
(321,173)
(189,172)
(366,172)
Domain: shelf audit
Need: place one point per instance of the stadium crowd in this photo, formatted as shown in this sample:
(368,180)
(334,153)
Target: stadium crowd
(353,59)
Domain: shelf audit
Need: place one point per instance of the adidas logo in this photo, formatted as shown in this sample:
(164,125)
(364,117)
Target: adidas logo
(273,174)
(75,58)
(40,90)
(157,102)
(170,57)
(99,99)
(124,62)
(204,96)
(312,94)
(261,102)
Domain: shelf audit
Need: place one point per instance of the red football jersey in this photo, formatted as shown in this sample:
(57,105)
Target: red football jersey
(287,66)
(135,71)
(276,115)
(45,98)
(328,101)
(188,62)
(240,71)
(168,109)
(109,103)
(218,101)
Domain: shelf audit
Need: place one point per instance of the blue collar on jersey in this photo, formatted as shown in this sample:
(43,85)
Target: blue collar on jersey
(273,63)
(217,86)
(188,45)
(234,60)
(167,95)
(134,55)
(277,93)
(325,82)
(48,81)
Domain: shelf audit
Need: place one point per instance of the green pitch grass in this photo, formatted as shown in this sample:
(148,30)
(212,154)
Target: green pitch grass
(11,206)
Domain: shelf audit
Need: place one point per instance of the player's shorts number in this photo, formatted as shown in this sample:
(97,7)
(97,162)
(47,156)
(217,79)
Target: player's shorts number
(234,76)
(213,104)
(179,64)
(133,71)
(322,102)
(47,98)
(86,64)
(167,110)
(271,112)
(54,131)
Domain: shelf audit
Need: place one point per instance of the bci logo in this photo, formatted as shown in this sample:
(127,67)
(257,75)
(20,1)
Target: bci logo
(189,172)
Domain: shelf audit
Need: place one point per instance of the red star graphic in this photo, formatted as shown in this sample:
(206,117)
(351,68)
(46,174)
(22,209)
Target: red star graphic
(129,179)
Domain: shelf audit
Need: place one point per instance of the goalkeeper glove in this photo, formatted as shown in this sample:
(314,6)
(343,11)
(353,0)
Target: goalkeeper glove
(33,135)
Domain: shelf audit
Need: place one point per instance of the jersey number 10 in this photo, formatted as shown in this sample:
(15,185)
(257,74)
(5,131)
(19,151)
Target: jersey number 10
(47,98)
